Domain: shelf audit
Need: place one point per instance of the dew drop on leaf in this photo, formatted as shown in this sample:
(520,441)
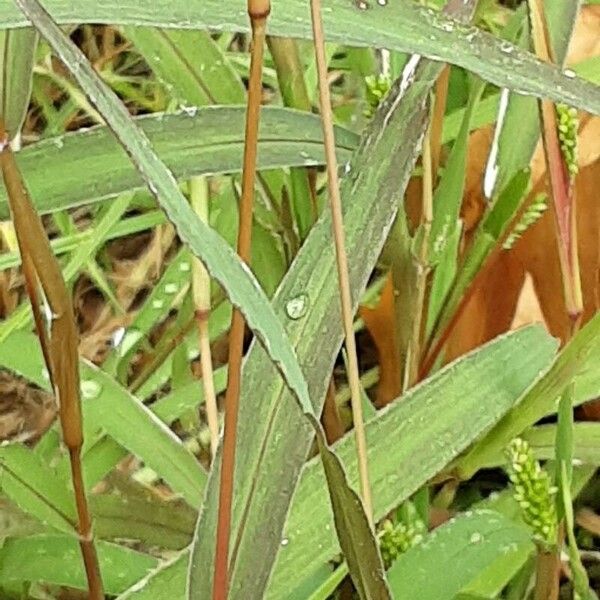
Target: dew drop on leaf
(90,389)
(297,306)
(476,538)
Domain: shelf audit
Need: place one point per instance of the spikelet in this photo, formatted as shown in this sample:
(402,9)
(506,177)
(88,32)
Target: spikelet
(395,539)
(377,88)
(568,124)
(533,492)
(533,213)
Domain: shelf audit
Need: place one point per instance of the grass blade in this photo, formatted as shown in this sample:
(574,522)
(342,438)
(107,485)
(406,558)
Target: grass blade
(193,142)
(401,26)
(217,256)
(576,361)
(17,56)
(454,555)
(268,419)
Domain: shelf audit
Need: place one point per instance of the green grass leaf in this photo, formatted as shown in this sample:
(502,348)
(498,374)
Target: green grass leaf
(354,532)
(35,488)
(206,141)
(454,554)
(190,63)
(218,257)
(577,362)
(17,55)
(272,436)
(401,26)
(56,559)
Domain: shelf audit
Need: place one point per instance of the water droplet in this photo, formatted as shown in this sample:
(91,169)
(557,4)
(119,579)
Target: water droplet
(158,303)
(476,538)
(184,266)
(45,374)
(506,47)
(447,26)
(285,542)
(569,73)
(59,142)
(296,307)
(90,389)
(190,111)
(304,154)
(361,4)
(382,2)
(347,168)
(171,288)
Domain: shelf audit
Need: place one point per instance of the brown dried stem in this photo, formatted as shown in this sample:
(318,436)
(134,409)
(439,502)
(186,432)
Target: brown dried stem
(59,346)
(342,261)
(258,11)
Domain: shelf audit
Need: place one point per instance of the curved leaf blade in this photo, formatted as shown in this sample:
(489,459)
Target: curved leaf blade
(203,141)
(272,433)
(220,260)
(17,55)
(454,554)
(402,26)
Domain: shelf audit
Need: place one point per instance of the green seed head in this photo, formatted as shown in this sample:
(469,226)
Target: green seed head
(395,539)
(377,88)
(533,492)
(568,124)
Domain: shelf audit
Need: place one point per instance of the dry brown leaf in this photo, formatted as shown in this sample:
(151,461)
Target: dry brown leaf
(492,308)
(378,321)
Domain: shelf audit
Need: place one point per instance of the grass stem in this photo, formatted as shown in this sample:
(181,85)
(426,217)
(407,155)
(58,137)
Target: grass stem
(342,261)
(258,11)
(201,292)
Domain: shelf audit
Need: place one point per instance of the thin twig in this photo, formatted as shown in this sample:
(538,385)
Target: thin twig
(258,11)
(342,261)
(201,292)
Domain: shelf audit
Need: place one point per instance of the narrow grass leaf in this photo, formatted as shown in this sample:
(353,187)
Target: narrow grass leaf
(454,554)
(220,260)
(34,488)
(401,26)
(577,362)
(446,228)
(191,64)
(17,55)
(54,559)
(203,141)
(354,532)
